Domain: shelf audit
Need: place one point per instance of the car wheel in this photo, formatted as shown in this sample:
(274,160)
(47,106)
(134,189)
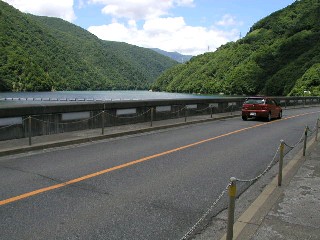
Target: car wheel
(269,117)
(280,115)
(244,118)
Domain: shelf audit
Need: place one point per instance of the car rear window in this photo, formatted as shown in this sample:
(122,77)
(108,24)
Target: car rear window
(255,101)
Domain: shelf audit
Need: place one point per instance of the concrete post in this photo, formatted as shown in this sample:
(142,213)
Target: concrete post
(281,162)
(29,130)
(232,201)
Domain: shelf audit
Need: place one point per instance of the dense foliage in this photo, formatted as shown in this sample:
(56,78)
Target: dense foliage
(42,53)
(279,56)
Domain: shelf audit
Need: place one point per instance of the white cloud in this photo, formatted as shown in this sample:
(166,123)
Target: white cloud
(164,25)
(159,29)
(169,34)
(228,20)
(113,32)
(139,9)
(58,8)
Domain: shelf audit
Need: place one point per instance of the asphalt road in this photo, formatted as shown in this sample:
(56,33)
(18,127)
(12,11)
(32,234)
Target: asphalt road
(148,186)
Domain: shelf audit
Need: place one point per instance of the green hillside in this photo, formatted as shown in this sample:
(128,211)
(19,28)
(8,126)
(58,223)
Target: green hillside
(42,53)
(279,56)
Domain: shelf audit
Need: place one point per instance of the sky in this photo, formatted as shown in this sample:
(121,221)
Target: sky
(190,27)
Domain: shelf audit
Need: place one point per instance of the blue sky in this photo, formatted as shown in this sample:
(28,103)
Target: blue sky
(186,26)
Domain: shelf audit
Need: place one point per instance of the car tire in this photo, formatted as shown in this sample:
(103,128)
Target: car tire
(269,117)
(280,115)
(244,118)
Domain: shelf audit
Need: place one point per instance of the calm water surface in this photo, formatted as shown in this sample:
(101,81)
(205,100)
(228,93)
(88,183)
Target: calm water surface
(67,96)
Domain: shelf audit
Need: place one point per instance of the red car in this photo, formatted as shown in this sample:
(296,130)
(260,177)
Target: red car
(261,107)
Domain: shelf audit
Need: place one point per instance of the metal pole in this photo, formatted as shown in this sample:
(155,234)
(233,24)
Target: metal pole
(151,117)
(232,201)
(29,130)
(281,162)
(211,111)
(317,130)
(185,114)
(102,122)
(305,140)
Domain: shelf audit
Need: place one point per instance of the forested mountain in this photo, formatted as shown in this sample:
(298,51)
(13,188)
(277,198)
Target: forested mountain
(174,55)
(42,53)
(279,56)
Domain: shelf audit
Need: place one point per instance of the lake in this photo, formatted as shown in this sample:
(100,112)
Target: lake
(8,98)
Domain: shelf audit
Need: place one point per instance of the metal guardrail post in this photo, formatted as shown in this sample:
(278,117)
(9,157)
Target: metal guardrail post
(185,114)
(151,117)
(281,162)
(102,122)
(317,130)
(305,140)
(29,130)
(232,201)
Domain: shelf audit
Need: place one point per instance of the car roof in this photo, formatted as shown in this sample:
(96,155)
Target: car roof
(259,97)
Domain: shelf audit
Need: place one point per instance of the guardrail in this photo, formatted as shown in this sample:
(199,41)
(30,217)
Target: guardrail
(28,120)
(231,187)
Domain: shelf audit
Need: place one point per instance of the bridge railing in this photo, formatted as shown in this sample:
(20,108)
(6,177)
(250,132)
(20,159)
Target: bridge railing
(29,120)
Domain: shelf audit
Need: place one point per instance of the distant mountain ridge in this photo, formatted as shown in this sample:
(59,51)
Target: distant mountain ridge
(44,53)
(279,56)
(174,55)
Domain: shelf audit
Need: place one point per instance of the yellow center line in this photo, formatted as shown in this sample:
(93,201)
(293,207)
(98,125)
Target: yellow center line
(92,175)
